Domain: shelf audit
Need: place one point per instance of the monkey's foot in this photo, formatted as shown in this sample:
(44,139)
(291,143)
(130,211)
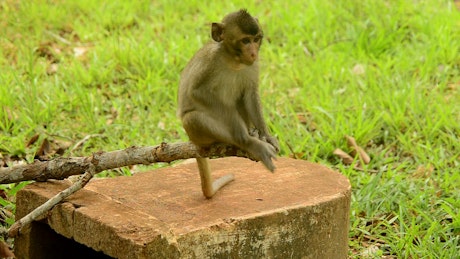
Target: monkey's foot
(221,182)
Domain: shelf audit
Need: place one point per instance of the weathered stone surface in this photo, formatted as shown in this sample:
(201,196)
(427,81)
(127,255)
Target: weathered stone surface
(300,211)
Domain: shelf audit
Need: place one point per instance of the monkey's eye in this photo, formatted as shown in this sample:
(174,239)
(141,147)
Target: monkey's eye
(257,39)
(246,40)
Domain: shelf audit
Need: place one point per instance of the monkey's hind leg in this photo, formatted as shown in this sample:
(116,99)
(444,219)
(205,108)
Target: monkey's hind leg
(208,186)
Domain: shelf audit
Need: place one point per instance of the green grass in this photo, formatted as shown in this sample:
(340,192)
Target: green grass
(385,72)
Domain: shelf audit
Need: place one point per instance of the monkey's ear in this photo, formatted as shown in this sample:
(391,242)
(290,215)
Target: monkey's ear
(217,31)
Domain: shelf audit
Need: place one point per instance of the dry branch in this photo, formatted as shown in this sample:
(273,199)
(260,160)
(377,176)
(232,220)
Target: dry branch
(62,167)
(14,230)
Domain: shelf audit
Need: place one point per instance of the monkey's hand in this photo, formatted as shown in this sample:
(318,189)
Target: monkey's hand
(265,138)
(274,142)
(265,153)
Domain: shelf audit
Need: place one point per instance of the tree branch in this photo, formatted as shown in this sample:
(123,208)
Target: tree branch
(15,229)
(62,167)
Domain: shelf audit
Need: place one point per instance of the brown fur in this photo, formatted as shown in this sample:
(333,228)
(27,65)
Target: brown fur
(218,94)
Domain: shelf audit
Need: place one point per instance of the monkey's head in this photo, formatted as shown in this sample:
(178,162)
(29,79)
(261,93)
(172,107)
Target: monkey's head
(240,34)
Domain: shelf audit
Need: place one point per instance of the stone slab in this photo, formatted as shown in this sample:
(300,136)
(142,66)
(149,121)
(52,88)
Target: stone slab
(300,211)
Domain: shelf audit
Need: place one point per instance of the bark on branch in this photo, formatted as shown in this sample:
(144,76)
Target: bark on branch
(62,167)
(15,229)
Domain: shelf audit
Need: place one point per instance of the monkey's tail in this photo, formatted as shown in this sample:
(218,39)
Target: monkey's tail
(205,175)
(208,186)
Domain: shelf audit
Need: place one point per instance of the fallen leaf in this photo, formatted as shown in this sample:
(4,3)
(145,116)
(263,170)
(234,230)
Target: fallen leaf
(293,92)
(44,149)
(358,69)
(49,51)
(307,119)
(3,194)
(60,146)
(52,69)
(32,140)
(346,158)
(339,91)
(80,51)
(424,171)
(371,252)
(296,155)
(302,118)
(357,150)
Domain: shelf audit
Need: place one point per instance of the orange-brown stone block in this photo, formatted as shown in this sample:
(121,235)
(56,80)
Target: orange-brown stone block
(300,211)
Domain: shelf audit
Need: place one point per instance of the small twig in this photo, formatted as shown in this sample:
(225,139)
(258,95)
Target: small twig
(377,240)
(360,169)
(81,142)
(57,37)
(15,229)
(292,150)
(332,43)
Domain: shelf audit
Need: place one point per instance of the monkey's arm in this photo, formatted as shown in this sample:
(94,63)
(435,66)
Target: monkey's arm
(254,109)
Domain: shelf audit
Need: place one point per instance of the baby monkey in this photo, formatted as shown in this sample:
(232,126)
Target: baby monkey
(218,95)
